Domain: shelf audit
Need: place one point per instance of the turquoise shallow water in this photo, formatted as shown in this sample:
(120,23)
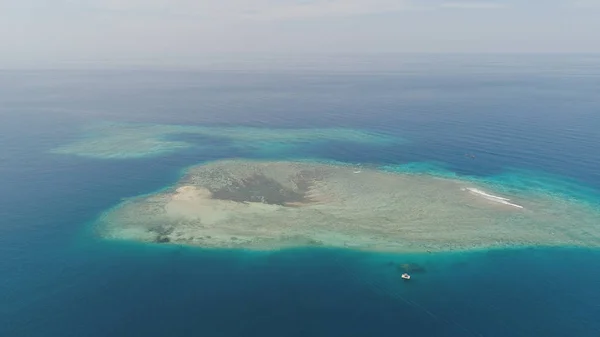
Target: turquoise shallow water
(533,130)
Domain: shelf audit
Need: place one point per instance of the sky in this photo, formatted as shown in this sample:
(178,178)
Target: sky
(39,32)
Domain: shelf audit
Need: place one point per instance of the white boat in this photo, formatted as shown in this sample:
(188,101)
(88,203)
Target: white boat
(406,276)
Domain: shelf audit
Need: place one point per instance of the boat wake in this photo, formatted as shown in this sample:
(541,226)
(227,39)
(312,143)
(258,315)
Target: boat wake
(491,197)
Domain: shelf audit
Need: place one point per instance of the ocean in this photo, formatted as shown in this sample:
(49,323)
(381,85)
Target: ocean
(530,123)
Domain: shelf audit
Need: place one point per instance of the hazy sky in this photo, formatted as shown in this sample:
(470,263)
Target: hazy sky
(169,31)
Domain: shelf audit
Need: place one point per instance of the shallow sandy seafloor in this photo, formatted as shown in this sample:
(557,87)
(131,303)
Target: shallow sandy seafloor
(271,205)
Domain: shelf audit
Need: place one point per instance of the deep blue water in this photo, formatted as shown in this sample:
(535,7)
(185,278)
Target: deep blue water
(58,279)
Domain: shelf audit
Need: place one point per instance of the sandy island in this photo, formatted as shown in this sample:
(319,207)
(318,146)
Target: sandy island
(271,205)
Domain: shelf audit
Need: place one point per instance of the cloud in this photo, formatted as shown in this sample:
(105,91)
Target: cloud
(242,9)
(313,9)
(473,5)
(178,32)
(270,10)
(587,3)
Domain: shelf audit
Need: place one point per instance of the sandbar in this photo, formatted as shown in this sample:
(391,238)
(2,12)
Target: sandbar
(272,205)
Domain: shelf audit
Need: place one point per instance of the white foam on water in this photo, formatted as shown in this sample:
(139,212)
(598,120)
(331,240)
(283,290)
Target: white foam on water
(491,197)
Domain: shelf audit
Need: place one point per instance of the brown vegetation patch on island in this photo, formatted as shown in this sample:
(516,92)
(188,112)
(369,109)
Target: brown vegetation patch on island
(260,188)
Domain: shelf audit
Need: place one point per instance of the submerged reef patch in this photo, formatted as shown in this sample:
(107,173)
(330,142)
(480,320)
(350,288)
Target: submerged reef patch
(271,205)
(125,141)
